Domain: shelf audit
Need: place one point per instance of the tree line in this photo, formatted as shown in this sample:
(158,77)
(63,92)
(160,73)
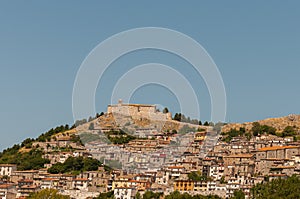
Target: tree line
(75,165)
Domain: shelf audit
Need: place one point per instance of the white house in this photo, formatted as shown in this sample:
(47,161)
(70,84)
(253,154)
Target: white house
(7,169)
(124,192)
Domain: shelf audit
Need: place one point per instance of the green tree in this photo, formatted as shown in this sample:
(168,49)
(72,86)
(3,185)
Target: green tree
(289,131)
(255,128)
(177,117)
(48,194)
(222,181)
(238,194)
(196,176)
(174,131)
(173,195)
(75,165)
(107,195)
(91,126)
(277,189)
(166,110)
(151,195)
(27,143)
(178,195)
(138,195)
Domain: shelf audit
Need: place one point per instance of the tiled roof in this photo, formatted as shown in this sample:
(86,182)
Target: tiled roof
(5,186)
(272,148)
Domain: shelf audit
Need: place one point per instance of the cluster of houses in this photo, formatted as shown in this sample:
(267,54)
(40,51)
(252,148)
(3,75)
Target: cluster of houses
(161,164)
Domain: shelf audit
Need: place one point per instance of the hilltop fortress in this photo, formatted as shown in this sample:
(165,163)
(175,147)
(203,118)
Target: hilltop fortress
(137,111)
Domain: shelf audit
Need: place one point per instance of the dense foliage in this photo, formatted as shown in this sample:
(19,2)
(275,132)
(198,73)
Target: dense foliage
(278,188)
(107,195)
(47,136)
(33,159)
(196,176)
(182,118)
(75,165)
(265,129)
(47,193)
(238,195)
(76,139)
(235,133)
(24,161)
(289,131)
(258,129)
(178,195)
(151,195)
(119,137)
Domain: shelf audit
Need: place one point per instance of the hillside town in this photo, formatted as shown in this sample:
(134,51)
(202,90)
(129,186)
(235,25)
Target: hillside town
(183,157)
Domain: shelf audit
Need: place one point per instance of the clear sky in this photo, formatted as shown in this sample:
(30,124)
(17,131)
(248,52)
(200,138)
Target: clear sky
(256,47)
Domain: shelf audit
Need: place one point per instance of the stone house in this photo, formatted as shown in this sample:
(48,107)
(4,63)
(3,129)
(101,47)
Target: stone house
(216,171)
(8,191)
(7,169)
(279,152)
(19,175)
(50,183)
(239,164)
(184,185)
(125,192)
(80,184)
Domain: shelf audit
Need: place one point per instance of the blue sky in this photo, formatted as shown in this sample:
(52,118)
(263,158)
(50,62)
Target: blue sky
(42,45)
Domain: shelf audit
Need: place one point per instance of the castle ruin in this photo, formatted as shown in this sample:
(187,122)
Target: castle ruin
(137,111)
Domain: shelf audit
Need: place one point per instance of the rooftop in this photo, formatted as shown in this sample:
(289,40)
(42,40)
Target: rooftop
(272,148)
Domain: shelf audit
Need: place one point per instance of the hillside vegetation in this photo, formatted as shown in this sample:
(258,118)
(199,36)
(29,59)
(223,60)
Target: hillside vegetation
(280,127)
(278,189)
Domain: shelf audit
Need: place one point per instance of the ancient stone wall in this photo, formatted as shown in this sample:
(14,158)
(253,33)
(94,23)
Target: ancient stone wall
(137,111)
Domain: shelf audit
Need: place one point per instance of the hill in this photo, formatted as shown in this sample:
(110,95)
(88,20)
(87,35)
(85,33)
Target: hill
(278,123)
(288,126)
(32,153)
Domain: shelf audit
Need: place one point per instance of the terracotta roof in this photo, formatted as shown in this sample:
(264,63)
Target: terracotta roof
(175,167)
(6,186)
(49,179)
(29,187)
(25,180)
(272,148)
(27,171)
